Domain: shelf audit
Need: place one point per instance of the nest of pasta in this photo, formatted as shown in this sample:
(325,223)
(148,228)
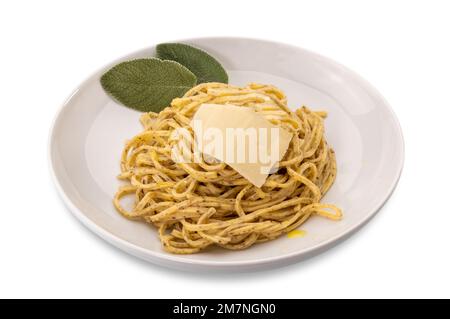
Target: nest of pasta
(197,205)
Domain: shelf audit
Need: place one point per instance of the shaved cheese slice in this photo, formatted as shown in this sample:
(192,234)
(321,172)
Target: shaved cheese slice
(241,138)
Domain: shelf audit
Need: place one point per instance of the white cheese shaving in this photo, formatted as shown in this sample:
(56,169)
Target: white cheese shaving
(241,138)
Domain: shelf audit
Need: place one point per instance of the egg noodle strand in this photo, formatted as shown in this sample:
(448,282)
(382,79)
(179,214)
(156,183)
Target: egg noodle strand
(196,205)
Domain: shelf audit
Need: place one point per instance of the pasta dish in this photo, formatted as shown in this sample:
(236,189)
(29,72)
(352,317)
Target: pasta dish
(198,205)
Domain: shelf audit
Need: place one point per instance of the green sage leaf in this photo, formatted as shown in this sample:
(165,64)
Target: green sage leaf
(204,66)
(147,84)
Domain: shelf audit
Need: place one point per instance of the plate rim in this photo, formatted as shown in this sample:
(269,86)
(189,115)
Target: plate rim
(178,262)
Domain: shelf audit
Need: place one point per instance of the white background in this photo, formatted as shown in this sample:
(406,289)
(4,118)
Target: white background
(48,47)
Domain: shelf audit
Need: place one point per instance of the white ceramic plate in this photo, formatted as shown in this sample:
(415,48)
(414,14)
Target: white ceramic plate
(90,130)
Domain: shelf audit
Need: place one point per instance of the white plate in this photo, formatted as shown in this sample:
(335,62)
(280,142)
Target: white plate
(90,130)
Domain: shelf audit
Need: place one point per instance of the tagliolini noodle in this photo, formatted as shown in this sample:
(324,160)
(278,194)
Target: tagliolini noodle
(199,205)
